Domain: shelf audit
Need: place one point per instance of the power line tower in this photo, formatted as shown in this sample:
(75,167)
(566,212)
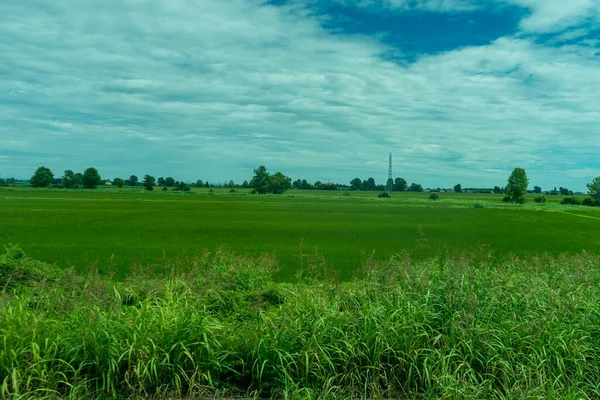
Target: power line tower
(390,182)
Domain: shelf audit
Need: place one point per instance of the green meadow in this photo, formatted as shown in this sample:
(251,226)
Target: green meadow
(114,229)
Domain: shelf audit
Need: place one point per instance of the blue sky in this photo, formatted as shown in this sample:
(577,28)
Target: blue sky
(458,90)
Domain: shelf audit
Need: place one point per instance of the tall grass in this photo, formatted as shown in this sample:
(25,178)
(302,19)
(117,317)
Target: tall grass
(466,326)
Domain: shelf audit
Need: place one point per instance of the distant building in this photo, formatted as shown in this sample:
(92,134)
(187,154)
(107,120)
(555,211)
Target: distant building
(108,183)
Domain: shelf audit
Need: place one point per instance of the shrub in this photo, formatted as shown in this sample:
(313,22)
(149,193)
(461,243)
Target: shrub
(540,199)
(477,205)
(164,189)
(16,269)
(574,201)
(383,195)
(232,190)
(588,201)
(506,199)
(434,196)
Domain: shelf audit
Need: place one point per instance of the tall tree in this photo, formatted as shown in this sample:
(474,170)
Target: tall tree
(458,188)
(517,185)
(594,188)
(537,189)
(149,182)
(68,179)
(91,178)
(161,181)
(260,180)
(355,184)
(132,181)
(42,177)
(400,185)
(415,187)
(371,185)
(169,181)
(118,182)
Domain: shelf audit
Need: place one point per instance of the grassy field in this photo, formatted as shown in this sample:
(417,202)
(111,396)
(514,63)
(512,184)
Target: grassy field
(114,229)
(467,327)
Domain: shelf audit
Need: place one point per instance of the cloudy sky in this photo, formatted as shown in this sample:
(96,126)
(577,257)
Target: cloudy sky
(458,90)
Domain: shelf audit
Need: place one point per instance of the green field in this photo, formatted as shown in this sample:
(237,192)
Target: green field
(113,229)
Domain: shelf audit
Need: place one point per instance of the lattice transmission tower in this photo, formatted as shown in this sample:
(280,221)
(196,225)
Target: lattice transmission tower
(390,182)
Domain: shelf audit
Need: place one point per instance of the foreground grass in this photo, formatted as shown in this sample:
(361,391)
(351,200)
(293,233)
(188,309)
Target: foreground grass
(468,326)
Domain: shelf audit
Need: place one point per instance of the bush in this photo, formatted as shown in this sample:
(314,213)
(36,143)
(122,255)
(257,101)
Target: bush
(434,196)
(506,199)
(232,190)
(540,199)
(477,205)
(588,201)
(383,195)
(573,201)
(16,269)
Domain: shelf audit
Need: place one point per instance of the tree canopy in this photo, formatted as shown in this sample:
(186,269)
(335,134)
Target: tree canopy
(91,178)
(263,182)
(594,188)
(42,177)
(517,185)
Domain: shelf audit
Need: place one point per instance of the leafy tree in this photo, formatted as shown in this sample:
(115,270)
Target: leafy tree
(132,181)
(564,191)
(537,189)
(3,182)
(517,185)
(415,187)
(42,177)
(245,185)
(355,184)
(260,180)
(169,181)
(434,196)
(231,184)
(199,183)
(594,189)
(91,178)
(498,190)
(164,189)
(161,181)
(400,185)
(118,182)
(370,184)
(149,182)
(458,188)
(68,179)
(540,199)
(279,183)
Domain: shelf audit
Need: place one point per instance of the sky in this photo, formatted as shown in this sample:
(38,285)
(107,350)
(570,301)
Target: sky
(459,91)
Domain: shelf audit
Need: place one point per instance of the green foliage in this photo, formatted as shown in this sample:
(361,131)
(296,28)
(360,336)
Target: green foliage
(132,181)
(279,183)
(3,182)
(434,196)
(537,189)
(414,187)
(91,178)
(478,205)
(42,177)
(118,182)
(574,201)
(384,195)
(165,189)
(16,269)
(517,185)
(590,202)
(539,199)
(149,182)
(355,184)
(68,179)
(169,181)
(458,188)
(506,199)
(461,326)
(400,184)
(594,188)
(262,182)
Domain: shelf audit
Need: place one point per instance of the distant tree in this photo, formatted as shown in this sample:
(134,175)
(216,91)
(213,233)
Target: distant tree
(199,183)
(164,189)
(318,185)
(434,196)
(132,181)
(245,185)
(458,188)
(260,180)
(42,177)
(3,182)
(118,182)
(231,184)
(415,187)
(400,185)
(517,185)
(91,178)
(564,191)
(169,181)
(184,187)
(537,189)
(297,184)
(371,185)
(68,179)
(594,189)
(306,185)
(161,181)
(149,182)
(279,183)
(206,184)
(540,199)
(355,184)
(498,190)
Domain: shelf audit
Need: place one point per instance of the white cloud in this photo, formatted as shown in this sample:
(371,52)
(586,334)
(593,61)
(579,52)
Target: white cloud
(211,89)
(555,15)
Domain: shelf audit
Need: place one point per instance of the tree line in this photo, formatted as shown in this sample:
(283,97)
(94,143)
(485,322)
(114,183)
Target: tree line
(263,182)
